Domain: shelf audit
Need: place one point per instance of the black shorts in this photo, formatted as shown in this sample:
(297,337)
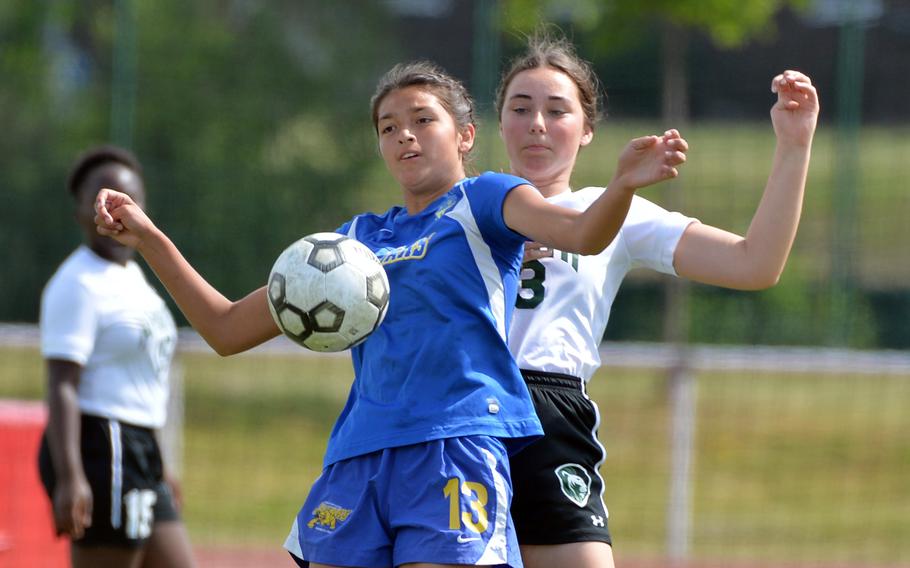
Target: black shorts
(558,490)
(123,465)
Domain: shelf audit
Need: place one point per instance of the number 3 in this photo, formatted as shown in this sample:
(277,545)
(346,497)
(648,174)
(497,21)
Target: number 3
(534,284)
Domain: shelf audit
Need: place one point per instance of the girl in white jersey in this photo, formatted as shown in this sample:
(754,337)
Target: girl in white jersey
(107,338)
(398,487)
(548,105)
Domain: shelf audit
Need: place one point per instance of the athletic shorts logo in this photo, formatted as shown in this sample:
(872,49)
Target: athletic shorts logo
(326,516)
(574,482)
(463,539)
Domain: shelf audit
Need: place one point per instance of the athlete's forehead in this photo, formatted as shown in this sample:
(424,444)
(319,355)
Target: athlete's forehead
(543,83)
(530,97)
(408,101)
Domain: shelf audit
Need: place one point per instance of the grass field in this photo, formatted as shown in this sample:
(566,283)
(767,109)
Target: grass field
(788,469)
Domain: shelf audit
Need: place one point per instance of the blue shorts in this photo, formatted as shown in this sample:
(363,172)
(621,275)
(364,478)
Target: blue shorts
(444,501)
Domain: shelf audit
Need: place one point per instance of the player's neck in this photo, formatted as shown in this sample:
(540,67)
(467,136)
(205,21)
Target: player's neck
(548,183)
(417,199)
(551,187)
(117,254)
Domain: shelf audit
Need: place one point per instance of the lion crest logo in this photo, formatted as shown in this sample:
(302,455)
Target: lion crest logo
(327,516)
(574,482)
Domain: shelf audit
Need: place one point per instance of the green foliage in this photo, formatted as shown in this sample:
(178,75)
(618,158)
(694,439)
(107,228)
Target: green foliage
(730,23)
(791,313)
(267,151)
(251,121)
(37,139)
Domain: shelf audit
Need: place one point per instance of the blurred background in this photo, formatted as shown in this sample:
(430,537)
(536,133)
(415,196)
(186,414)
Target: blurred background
(742,429)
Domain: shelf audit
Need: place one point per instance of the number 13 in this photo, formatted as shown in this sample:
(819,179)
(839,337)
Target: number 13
(477,495)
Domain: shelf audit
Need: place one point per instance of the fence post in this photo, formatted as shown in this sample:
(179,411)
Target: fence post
(172,432)
(851,54)
(683,397)
(123,81)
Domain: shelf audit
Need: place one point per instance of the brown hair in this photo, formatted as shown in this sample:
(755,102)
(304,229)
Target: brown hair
(451,93)
(95,158)
(546,49)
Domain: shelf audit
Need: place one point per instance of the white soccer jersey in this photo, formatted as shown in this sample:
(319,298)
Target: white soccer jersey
(107,318)
(564,303)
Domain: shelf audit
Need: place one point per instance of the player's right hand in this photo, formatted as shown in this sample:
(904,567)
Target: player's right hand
(73,507)
(649,160)
(117,216)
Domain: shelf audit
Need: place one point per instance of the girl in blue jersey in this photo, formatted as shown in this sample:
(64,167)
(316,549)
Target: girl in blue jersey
(549,96)
(416,470)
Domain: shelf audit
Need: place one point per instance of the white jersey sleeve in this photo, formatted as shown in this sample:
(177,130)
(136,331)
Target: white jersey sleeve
(68,320)
(564,302)
(650,234)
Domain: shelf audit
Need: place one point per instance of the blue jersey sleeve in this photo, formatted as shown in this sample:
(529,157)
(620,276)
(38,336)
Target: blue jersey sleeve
(487,194)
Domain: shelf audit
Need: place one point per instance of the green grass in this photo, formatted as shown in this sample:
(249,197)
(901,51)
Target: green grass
(787,468)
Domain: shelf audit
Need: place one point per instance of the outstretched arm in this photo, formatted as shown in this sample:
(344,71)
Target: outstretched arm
(229,327)
(644,161)
(713,256)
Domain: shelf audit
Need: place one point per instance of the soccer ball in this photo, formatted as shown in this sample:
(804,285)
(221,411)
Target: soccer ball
(328,292)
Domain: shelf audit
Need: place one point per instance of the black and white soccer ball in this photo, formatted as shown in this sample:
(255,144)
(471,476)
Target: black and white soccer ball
(328,292)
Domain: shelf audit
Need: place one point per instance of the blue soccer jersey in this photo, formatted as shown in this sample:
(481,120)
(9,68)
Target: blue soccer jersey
(438,366)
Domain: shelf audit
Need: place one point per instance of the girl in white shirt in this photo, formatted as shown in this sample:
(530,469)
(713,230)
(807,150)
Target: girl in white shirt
(107,339)
(548,104)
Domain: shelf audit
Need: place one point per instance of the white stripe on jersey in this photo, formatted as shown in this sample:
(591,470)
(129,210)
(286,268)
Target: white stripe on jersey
(352,230)
(483,258)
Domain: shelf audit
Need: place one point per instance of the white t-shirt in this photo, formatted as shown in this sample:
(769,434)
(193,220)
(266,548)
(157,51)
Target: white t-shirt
(107,318)
(564,302)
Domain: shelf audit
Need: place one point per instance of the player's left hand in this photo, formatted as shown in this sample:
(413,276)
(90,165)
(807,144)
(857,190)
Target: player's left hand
(795,113)
(650,159)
